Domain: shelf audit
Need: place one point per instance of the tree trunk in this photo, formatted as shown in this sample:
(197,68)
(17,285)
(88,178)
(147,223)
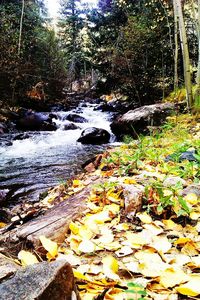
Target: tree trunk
(176,47)
(20,27)
(198,35)
(185,52)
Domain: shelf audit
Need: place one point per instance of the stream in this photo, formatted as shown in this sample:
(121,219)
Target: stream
(45,159)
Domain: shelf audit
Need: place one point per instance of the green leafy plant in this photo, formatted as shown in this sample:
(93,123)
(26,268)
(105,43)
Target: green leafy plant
(137,289)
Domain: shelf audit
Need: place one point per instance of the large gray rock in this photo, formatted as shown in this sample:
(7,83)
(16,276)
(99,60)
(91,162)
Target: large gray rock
(93,135)
(137,121)
(42,281)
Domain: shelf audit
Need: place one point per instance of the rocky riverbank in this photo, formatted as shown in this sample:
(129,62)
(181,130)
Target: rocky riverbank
(136,215)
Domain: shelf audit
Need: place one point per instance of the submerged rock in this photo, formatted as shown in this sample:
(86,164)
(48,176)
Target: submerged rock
(93,135)
(137,121)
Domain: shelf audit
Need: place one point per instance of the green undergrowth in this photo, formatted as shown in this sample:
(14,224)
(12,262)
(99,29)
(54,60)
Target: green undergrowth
(157,156)
(171,140)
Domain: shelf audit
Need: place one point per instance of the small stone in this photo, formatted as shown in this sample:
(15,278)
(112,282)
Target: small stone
(133,198)
(173,180)
(192,189)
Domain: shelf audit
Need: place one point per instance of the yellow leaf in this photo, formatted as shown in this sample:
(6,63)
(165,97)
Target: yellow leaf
(191,198)
(171,277)
(124,251)
(161,244)
(191,288)
(85,232)
(182,241)
(86,246)
(80,276)
(144,218)
(194,215)
(77,183)
(115,294)
(2,224)
(50,246)
(151,264)
(110,267)
(27,258)
(74,228)
(135,240)
(129,181)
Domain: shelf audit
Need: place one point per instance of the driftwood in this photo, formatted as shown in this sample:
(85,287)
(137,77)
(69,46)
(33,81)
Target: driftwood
(53,224)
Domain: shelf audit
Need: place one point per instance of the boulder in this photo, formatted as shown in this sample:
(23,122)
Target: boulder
(41,281)
(35,122)
(70,126)
(76,118)
(137,121)
(93,135)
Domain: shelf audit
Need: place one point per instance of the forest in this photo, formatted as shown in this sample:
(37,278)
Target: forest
(100,150)
(141,49)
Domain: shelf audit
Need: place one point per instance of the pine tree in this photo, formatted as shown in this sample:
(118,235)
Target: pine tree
(70,26)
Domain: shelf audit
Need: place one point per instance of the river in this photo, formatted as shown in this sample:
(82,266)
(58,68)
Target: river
(45,159)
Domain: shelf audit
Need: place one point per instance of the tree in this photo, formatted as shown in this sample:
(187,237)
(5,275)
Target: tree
(185,53)
(70,26)
(25,48)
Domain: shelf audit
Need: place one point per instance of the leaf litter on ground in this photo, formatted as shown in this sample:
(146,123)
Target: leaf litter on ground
(154,255)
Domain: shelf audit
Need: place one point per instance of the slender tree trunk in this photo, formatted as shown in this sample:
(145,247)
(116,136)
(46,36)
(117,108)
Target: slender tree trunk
(176,47)
(198,35)
(185,52)
(19,49)
(20,27)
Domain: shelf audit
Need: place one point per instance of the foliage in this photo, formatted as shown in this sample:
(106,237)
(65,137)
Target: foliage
(39,59)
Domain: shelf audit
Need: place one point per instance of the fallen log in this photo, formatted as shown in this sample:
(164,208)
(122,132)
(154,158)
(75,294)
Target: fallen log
(53,224)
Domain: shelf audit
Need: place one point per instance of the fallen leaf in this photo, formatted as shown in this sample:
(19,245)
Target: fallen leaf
(110,267)
(144,218)
(172,277)
(86,246)
(124,251)
(27,258)
(191,198)
(191,288)
(50,246)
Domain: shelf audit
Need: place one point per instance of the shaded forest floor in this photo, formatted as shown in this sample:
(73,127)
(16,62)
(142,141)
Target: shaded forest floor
(139,236)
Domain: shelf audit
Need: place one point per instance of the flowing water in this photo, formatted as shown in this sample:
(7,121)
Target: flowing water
(45,159)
